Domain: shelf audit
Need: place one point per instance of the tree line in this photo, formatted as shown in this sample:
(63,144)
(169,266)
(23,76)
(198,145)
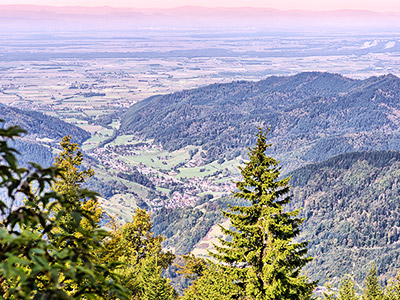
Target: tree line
(53,247)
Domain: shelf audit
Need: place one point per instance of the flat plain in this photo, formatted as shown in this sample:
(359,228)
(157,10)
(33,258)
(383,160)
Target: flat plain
(81,77)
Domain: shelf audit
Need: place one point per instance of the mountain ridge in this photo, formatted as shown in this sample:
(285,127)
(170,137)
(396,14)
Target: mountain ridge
(193,9)
(40,125)
(313,116)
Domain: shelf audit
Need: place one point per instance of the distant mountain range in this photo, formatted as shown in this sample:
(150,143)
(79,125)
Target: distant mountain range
(191,16)
(313,116)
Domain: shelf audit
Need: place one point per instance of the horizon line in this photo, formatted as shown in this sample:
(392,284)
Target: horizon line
(204,7)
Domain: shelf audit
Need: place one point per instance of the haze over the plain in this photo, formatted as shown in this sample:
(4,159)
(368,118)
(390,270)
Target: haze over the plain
(314,5)
(53,18)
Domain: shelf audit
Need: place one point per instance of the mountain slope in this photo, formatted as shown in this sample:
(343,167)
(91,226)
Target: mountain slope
(39,125)
(313,116)
(41,129)
(351,206)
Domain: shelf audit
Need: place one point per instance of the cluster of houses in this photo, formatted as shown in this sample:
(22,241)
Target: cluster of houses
(183,191)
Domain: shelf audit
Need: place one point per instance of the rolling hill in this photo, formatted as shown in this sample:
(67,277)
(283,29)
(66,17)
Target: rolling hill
(313,116)
(39,125)
(41,129)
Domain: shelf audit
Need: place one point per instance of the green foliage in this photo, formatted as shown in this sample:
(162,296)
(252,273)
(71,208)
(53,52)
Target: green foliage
(215,284)
(133,246)
(347,290)
(153,286)
(262,255)
(314,115)
(372,290)
(32,262)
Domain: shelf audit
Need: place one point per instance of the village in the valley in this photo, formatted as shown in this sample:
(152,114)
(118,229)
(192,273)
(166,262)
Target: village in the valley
(175,186)
(109,76)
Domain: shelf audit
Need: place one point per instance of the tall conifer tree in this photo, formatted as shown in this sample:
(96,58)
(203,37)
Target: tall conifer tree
(372,290)
(153,286)
(347,290)
(262,255)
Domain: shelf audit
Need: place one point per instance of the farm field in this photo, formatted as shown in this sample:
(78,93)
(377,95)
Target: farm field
(180,177)
(109,74)
(91,82)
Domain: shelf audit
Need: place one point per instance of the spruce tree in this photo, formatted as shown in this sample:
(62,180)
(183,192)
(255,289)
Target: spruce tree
(392,291)
(347,290)
(152,285)
(372,290)
(262,255)
(71,177)
(68,182)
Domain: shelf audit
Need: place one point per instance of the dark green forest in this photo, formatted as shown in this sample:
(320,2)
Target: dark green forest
(313,117)
(351,208)
(52,246)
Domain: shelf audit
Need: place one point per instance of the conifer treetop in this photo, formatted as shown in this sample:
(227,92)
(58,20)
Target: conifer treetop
(261,253)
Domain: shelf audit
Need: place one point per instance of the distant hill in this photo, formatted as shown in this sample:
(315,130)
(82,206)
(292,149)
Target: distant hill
(313,116)
(41,129)
(351,206)
(39,125)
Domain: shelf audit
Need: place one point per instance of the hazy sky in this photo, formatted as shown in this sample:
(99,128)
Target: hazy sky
(375,5)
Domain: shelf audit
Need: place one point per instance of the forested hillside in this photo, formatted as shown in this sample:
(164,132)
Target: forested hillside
(313,116)
(33,152)
(351,203)
(40,125)
(352,208)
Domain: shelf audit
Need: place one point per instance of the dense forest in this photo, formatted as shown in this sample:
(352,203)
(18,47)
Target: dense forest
(33,152)
(52,246)
(351,211)
(314,116)
(39,125)
(77,259)
(351,207)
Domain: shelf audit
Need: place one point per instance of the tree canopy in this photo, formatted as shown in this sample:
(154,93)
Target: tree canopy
(36,259)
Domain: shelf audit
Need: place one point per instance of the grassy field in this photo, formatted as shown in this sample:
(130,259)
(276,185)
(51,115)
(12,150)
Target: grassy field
(122,206)
(192,179)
